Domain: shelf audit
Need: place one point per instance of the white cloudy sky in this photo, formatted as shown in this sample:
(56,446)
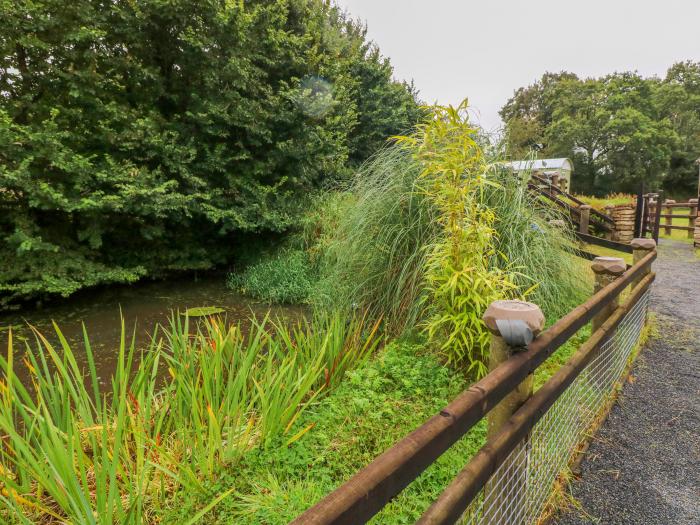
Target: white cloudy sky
(485,49)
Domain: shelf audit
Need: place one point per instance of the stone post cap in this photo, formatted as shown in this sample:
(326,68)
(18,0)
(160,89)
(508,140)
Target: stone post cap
(585,207)
(608,265)
(512,310)
(643,244)
(670,201)
(693,200)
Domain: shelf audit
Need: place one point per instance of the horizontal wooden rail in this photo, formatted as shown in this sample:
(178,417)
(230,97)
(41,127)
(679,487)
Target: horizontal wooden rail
(578,201)
(606,243)
(369,490)
(679,205)
(466,485)
(583,254)
(673,227)
(676,216)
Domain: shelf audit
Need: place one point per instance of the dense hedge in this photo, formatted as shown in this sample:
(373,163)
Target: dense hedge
(143,136)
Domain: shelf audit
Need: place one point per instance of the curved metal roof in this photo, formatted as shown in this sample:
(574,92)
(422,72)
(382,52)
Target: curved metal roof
(541,164)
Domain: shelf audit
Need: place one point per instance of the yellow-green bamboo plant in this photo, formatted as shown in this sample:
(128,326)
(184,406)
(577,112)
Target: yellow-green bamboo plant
(460,279)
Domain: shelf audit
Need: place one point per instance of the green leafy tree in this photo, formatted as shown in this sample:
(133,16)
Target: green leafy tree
(613,128)
(140,137)
(678,98)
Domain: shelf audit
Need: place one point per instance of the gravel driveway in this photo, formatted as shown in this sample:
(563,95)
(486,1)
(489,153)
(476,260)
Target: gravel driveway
(643,466)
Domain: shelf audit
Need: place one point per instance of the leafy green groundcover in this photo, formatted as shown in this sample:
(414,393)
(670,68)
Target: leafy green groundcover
(374,407)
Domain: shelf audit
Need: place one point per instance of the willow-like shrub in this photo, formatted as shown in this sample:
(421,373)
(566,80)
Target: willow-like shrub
(435,232)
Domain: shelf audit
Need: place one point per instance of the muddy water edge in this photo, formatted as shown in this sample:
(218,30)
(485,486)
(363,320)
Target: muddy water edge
(142,306)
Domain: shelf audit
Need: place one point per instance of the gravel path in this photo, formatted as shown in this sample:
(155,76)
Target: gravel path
(643,466)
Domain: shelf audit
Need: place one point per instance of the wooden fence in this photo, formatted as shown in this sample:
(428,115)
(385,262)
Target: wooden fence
(588,219)
(370,489)
(671,210)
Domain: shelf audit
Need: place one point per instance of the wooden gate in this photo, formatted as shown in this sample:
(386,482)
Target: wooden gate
(648,215)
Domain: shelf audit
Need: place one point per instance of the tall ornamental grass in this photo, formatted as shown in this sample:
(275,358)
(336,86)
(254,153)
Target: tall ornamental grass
(201,396)
(375,257)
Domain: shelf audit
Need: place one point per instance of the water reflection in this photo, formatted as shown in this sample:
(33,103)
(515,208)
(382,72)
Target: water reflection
(142,306)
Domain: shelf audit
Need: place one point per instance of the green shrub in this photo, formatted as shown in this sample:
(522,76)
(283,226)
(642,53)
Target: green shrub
(139,138)
(285,277)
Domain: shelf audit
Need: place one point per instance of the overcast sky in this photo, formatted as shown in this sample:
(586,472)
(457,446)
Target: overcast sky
(486,49)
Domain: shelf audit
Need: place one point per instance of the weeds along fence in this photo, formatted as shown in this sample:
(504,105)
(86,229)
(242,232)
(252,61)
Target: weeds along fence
(532,437)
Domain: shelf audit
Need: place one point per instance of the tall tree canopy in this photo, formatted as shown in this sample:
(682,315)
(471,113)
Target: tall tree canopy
(621,130)
(140,136)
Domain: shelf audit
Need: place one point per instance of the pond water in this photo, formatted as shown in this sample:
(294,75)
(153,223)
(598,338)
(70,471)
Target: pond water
(142,306)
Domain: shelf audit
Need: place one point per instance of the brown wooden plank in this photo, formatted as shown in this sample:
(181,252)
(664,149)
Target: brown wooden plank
(672,227)
(606,243)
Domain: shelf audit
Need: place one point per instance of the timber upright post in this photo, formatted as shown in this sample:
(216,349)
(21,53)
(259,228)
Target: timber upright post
(585,218)
(606,270)
(640,249)
(513,325)
(693,214)
(610,211)
(668,221)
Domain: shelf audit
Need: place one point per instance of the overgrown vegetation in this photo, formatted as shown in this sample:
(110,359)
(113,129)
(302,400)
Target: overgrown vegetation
(435,232)
(376,405)
(177,415)
(144,137)
(286,277)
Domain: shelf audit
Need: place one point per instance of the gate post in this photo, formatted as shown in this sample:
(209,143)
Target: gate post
(692,216)
(513,325)
(640,249)
(585,218)
(606,270)
(668,221)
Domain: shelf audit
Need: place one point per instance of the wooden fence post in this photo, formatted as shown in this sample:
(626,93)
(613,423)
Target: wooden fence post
(555,181)
(512,324)
(692,216)
(668,221)
(606,270)
(640,249)
(585,218)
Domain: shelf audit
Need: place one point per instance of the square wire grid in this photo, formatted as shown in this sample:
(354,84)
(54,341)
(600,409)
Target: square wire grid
(517,492)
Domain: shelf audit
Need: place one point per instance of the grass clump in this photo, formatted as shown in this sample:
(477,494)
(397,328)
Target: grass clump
(199,399)
(614,199)
(285,277)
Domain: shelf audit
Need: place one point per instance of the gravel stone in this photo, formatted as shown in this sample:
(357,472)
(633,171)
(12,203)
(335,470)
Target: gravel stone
(643,466)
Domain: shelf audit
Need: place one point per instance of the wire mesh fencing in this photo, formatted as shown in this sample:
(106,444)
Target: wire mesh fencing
(519,489)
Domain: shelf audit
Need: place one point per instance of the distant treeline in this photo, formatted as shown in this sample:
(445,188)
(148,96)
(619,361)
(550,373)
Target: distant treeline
(620,130)
(142,136)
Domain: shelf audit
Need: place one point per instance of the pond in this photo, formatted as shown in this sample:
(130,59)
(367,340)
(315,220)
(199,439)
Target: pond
(142,306)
